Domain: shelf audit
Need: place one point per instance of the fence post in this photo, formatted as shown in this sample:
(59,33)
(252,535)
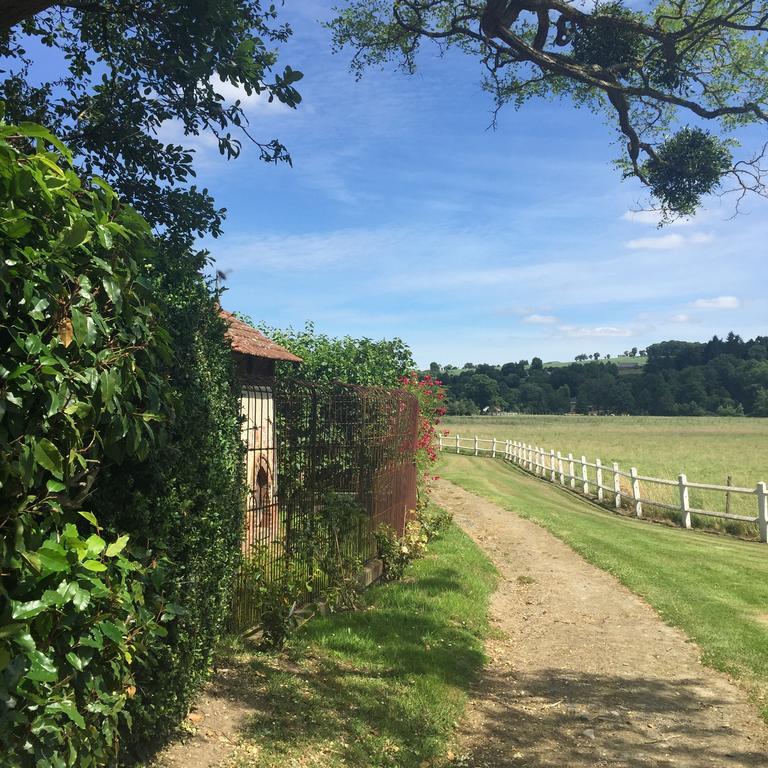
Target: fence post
(599,479)
(584,476)
(552,465)
(493,450)
(616,485)
(636,492)
(458,448)
(560,467)
(685,515)
(572,470)
(476,453)
(762,511)
(537,459)
(440,441)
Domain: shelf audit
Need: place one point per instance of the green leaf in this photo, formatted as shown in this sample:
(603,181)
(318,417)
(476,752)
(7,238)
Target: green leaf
(105,236)
(52,558)
(113,290)
(79,326)
(75,661)
(69,709)
(90,517)
(116,547)
(42,669)
(47,456)
(53,598)
(94,565)
(112,631)
(80,599)
(27,610)
(95,545)
(77,234)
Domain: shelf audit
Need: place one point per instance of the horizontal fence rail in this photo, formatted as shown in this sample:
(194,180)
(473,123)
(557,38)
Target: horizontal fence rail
(610,485)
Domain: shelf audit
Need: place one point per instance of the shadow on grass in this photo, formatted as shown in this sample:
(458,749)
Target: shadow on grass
(380,687)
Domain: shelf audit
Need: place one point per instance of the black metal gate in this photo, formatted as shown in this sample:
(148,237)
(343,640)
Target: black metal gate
(312,447)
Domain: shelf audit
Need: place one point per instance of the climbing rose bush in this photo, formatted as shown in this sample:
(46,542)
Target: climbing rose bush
(430,395)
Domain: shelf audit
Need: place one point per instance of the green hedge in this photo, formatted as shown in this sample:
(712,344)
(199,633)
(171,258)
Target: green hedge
(122,490)
(187,501)
(79,352)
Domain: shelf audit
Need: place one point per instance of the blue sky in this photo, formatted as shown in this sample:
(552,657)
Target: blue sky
(403,215)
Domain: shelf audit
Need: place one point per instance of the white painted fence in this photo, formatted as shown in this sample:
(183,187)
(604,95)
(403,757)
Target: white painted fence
(573,473)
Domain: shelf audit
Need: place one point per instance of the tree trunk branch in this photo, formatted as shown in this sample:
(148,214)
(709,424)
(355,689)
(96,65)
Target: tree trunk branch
(14,11)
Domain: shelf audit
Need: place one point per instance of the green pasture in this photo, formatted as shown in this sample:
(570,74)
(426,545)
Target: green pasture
(705,449)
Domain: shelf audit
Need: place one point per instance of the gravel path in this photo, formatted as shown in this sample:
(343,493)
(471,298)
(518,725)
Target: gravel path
(583,673)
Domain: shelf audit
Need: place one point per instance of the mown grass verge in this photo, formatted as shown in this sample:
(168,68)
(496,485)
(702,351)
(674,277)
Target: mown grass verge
(378,688)
(713,588)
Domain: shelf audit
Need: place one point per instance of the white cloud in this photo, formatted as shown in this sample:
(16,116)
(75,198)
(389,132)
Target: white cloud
(536,319)
(681,317)
(718,302)
(596,332)
(668,242)
(653,218)
(253,102)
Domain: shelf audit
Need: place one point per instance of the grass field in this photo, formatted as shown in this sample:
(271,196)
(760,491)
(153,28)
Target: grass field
(381,687)
(713,588)
(707,450)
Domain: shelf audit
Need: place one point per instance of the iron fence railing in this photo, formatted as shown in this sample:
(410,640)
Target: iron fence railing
(312,450)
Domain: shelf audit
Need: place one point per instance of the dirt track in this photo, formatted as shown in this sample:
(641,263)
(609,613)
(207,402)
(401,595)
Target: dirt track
(584,673)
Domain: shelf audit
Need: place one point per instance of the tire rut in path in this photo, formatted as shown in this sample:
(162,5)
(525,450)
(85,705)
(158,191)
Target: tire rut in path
(583,672)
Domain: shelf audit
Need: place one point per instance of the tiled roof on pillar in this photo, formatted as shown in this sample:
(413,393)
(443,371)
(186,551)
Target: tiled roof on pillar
(248,341)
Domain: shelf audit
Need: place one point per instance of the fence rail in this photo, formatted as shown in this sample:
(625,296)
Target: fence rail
(573,472)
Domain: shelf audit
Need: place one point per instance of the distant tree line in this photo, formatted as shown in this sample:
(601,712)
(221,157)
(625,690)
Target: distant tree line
(724,377)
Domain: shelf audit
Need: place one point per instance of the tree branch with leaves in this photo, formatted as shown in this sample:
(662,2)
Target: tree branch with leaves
(677,80)
(129,69)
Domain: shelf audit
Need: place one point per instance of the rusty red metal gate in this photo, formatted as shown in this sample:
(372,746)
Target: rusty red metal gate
(306,444)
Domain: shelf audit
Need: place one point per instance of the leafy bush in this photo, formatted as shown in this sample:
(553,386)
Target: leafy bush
(187,501)
(122,479)
(434,520)
(80,609)
(397,552)
(352,361)
(430,395)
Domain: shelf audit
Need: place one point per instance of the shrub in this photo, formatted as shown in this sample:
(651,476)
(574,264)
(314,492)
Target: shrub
(430,395)
(187,501)
(434,520)
(80,607)
(396,552)
(122,479)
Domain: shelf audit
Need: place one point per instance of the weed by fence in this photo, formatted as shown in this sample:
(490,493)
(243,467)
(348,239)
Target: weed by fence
(327,464)
(682,500)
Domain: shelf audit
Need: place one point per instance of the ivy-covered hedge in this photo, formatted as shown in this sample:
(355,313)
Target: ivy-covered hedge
(121,498)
